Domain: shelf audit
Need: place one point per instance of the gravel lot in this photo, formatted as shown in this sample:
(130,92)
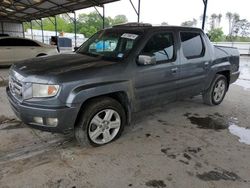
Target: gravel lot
(184,144)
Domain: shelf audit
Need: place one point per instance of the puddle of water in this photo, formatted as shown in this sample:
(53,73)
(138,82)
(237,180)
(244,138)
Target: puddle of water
(156,183)
(208,122)
(241,132)
(219,123)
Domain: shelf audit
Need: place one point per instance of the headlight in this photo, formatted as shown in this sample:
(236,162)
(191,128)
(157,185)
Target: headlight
(42,90)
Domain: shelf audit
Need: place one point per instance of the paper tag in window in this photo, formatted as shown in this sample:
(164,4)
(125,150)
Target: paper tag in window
(129,36)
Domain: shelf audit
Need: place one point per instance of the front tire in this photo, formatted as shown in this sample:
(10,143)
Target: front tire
(101,122)
(217,91)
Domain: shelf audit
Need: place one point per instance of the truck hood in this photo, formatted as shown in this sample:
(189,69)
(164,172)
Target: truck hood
(58,64)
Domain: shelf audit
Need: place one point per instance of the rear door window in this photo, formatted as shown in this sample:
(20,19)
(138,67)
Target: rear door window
(192,45)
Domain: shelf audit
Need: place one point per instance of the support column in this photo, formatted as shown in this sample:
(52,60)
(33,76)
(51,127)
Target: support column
(2,27)
(23,30)
(138,10)
(204,14)
(31,27)
(42,30)
(103,16)
(55,25)
(75,27)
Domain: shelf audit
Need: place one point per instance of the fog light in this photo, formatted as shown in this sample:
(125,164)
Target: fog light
(38,120)
(52,122)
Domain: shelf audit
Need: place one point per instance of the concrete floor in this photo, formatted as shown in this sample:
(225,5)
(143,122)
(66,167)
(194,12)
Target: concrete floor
(184,144)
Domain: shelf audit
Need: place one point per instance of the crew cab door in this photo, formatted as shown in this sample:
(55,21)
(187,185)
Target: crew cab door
(194,64)
(156,83)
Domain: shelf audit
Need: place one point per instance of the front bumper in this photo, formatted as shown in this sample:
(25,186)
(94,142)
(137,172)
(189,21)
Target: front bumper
(66,115)
(234,76)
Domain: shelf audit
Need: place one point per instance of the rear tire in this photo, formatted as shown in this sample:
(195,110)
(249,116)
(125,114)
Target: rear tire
(217,91)
(101,122)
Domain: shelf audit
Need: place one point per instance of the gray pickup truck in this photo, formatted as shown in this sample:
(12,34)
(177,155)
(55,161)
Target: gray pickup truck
(118,71)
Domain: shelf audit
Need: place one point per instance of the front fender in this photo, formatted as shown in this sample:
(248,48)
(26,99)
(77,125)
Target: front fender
(82,93)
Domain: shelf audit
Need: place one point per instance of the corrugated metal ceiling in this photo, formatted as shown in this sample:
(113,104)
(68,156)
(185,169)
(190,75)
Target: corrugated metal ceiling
(27,10)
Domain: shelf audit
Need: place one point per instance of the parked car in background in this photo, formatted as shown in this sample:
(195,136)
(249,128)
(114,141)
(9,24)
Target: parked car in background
(13,49)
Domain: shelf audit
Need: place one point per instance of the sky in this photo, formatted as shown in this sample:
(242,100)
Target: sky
(174,12)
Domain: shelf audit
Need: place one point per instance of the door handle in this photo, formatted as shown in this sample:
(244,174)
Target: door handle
(174,70)
(206,64)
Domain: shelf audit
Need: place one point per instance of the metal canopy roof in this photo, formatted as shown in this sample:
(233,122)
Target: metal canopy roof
(27,10)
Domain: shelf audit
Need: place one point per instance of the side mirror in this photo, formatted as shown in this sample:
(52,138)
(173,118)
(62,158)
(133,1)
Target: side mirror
(146,60)
(76,48)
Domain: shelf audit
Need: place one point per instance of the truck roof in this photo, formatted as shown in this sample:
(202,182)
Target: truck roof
(147,27)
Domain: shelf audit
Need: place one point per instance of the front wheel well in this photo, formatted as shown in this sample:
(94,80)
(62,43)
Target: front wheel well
(120,96)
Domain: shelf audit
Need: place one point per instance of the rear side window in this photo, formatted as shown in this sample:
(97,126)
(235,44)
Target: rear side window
(192,45)
(17,42)
(161,46)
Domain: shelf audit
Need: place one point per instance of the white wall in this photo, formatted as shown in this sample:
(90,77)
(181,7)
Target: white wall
(244,47)
(13,29)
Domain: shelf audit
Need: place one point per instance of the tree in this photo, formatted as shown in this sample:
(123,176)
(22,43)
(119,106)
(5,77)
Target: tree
(229,16)
(233,18)
(87,24)
(213,20)
(216,35)
(242,28)
(189,23)
(219,16)
(64,24)
(119,19)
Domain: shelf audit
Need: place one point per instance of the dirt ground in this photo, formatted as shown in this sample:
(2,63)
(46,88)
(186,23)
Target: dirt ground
(184,144)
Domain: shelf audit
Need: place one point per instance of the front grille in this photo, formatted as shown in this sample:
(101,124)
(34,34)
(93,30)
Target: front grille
(15,87)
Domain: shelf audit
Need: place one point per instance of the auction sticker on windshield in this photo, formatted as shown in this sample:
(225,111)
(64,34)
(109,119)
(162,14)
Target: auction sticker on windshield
(129,36)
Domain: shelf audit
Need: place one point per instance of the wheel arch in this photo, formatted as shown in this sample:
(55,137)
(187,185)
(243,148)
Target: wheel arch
(225,73)
(120,96)
(223,68)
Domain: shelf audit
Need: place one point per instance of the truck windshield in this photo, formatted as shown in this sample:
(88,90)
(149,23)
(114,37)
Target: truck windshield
(109,44)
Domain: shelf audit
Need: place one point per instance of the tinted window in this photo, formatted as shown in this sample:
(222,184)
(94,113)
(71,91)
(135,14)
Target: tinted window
(192,45)
(17,42)
(161,46)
